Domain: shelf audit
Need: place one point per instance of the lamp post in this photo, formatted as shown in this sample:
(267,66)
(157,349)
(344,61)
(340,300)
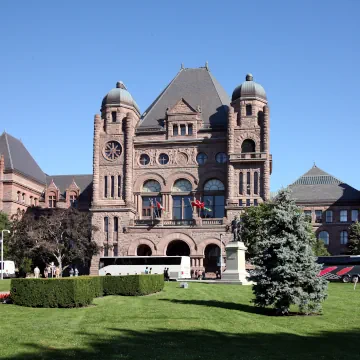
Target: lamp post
(2,252)
(221,235)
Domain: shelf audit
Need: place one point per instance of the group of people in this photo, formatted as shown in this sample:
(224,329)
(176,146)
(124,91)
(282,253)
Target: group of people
(52,271)
(148,271)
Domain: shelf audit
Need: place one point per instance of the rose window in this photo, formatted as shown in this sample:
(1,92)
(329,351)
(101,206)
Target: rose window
(112,150)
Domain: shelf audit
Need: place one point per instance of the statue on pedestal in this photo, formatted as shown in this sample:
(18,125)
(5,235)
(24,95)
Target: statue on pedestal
(236,228)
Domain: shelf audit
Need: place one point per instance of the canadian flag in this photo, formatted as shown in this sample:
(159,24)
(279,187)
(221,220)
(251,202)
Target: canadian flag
(198,204)
(159,206)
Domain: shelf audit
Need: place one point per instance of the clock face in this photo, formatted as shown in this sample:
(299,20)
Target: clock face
(112,150)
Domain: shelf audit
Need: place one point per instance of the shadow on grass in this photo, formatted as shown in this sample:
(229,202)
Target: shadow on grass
(226,305)
(162,344)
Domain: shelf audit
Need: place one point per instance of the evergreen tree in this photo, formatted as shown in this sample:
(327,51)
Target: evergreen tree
(280,245)
(354,239)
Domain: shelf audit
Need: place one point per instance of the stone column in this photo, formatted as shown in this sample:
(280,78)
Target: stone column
(129,135)
(96,157)
(266,176)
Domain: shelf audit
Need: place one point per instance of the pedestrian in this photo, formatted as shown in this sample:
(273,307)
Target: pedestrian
(203,275)
(195,274)
(199,274)
(146,270)
(36,272)
(150,270)
(165,274)
(356,279)
(76,272)
(71,272)
(46,272)
(49,272)
(57,272)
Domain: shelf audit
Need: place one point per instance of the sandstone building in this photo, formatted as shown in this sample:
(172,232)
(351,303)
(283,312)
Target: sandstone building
(192,143)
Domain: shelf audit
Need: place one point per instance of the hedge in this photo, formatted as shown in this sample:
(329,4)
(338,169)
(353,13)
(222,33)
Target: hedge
(80,291)
(50,293)
(133,285)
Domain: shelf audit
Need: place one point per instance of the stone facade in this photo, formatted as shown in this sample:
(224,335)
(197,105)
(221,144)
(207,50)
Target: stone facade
(182,158)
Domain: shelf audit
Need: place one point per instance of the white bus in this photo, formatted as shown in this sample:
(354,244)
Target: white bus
(179,266)
(8,268)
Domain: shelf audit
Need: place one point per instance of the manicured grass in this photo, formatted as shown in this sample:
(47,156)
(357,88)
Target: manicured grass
(5,285)
(212,322)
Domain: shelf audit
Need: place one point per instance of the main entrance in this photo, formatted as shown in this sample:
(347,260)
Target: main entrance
(178,248)
(212,257)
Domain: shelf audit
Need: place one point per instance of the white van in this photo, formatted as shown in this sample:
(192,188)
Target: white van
(8,268)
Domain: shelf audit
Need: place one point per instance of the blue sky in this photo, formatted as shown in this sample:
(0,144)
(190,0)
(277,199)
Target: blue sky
(58,60)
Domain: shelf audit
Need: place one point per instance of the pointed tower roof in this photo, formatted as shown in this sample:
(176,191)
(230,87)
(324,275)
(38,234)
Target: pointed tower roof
(199,88)
(17,158)
(316,185)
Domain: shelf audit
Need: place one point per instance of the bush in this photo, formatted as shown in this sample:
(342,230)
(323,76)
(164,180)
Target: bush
(133,285)
(80,291)
(51,293)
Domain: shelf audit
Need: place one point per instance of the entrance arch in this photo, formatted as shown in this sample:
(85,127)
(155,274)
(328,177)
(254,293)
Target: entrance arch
(144,250)
(211,259)
(178,248)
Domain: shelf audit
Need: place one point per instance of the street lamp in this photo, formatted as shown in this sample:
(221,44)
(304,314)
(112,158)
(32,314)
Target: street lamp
(2,252)
(221,235)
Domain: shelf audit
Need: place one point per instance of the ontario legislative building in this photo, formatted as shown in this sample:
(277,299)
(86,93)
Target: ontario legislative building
(192,143)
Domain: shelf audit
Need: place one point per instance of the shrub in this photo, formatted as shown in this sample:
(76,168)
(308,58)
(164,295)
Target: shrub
(133,285)
(64,293)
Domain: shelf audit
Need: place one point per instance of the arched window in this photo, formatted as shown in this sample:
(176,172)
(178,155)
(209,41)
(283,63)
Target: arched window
(182,209)
(150,209)
(151,186)
(248,110)
(343,237)
(248,146)
(241,183)
(182,185)
(256,183)
(214,199)
(214,185)
(324,236)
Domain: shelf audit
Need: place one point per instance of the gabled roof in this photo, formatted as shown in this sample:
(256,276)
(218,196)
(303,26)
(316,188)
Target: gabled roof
(17,158)
(63,182)
(200,89)
(316,185)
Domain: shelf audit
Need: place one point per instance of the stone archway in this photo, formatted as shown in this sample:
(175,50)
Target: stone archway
(164,242)
(135,244)
(211,258)
(178,248)
(144,250)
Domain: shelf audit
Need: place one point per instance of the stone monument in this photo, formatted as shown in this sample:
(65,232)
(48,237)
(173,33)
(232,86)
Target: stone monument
(235,256)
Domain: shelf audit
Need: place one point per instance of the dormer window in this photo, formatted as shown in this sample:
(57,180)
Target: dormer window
(52,201)
(190,129)
(248,110)
(113,116)
(175,130)
(73,201)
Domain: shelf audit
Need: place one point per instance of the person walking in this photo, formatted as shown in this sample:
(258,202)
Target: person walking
(36,272)
(150,270)
(46,272)
(57,272)
(146,270)
(76,272)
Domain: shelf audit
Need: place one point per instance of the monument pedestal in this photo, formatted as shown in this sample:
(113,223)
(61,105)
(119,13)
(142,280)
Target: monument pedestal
(235,263)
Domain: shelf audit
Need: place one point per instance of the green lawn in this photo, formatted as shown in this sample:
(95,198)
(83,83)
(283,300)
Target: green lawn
(5,285)
(211,322)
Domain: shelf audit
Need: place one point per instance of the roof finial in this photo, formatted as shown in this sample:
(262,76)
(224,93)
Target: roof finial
(314,164)
(182,66)
(207,65)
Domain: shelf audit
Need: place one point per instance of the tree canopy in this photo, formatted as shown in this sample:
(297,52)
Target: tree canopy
(354,239)
(280,244)
(62,236)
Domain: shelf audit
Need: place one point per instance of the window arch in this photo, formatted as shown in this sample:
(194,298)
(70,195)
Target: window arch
(324,236)
(248,146)
(248,110)
(151,186)
(214,185)
(214,199)
(182,185)
(343,237)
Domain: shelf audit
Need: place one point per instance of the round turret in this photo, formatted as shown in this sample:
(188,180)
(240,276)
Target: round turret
(249,89)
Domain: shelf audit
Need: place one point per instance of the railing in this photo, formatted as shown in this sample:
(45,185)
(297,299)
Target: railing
(161,222)
(212,221)
(248,156)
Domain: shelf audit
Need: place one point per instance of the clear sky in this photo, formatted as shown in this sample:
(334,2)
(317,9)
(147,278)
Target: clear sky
(58,60)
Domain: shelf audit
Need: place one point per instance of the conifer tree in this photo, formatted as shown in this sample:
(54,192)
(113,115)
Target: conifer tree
(280,245)
(354,239)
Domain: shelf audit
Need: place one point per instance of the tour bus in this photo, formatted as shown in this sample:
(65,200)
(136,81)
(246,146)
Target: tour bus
(179,266)
(8,268)
(343,267)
